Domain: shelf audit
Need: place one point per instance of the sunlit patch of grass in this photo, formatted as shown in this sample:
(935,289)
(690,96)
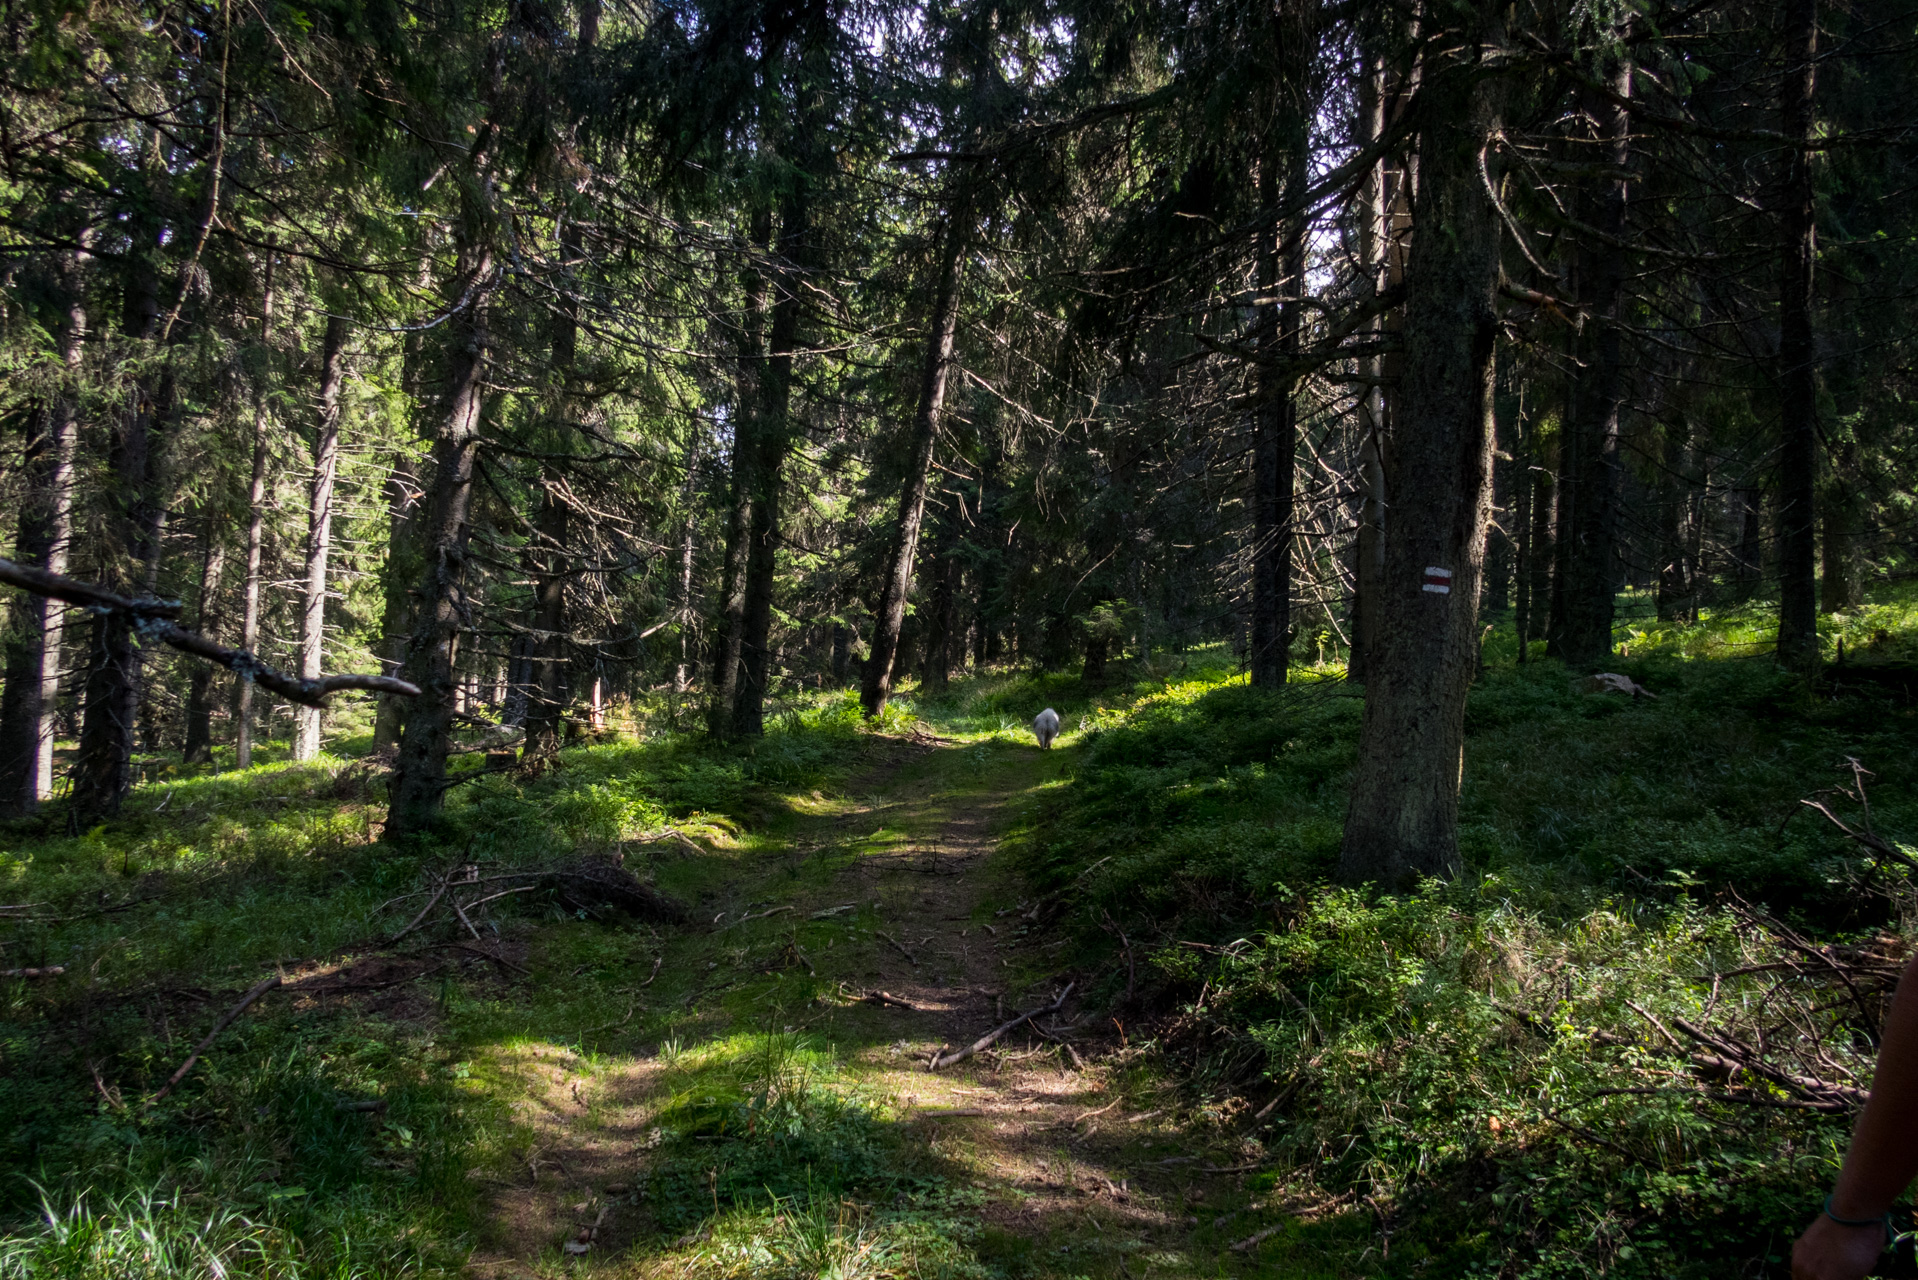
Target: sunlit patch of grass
(822,1238)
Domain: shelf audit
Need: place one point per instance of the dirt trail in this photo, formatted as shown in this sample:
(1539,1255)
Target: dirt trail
(1074,1151)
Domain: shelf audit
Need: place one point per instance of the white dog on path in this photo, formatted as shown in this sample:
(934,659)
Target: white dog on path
(1045,727)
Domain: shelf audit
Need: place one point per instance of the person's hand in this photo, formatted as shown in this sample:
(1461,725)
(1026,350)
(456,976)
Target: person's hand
(1832,1251)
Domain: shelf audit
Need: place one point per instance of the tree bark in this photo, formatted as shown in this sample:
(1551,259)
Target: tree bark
(418,790)
(772,435)
(890,612)
(1282,278)
(551,690)
(1840,590)
(1588,549)
(1384,229)
(1402,822)
(941,613)
(319,535)
(198,748)
(255,528)
(400,573)
(103,767)
(46,535)
(689,495)
(1797,354)
(729,626)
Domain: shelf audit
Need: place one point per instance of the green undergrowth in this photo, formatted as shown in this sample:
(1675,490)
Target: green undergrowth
(1484,1070)
(778,1164)
(257,1164)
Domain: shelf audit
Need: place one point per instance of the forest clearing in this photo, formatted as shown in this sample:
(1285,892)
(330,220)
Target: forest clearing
(995,639)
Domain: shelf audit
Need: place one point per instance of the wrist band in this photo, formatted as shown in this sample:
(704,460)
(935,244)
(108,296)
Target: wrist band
(1882,1220)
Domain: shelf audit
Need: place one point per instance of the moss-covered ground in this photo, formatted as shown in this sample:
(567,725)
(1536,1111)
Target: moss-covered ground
(1256,1072)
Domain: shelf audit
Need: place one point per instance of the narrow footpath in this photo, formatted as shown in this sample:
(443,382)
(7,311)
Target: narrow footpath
(883,923)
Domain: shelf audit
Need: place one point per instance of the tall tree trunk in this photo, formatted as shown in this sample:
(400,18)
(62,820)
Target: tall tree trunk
(890,613)
(941,613)
(46,534)
(1384,229)
(1522,497)
(1797,355)
(198,748)
(255,529)
(689,494)
(1402,822)
(1281,277)
(551,690)
(399,575)
(1588,550)
(1544,534)
(1677,573)
(729,626)
(418,790)
(1840,590)
(103,767)
(319,534)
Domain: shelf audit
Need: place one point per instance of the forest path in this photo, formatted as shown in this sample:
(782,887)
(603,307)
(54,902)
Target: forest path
(1069,1163)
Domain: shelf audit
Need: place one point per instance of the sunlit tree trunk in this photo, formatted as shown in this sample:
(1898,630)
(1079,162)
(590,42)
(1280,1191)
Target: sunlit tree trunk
(255,531)
(319,536)
(896,586)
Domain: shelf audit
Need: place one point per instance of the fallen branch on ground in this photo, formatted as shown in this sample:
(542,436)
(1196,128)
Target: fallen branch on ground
(154,620)
(261,988)
(942,1060)
(899,947)
(51,971)
(881,997)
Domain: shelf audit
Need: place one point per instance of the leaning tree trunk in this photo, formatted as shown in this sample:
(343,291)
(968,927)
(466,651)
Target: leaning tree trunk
(1402,822)
(1797,363)
(319,536)
(1588,551)
(417,793)
(896,586)
(46,533)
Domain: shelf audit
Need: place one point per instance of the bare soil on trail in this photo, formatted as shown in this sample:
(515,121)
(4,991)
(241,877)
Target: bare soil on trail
(1074,1146)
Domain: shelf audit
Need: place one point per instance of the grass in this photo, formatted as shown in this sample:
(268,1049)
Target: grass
(1423,1084)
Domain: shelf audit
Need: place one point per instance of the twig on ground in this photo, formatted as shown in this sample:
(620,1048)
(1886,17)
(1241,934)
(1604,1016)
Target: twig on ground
(772,911)
(947,1059)
(414,923)
(1101,1111)
(657,961)
(51,971)
(881,997)
(460,911)
(480,902)
(899,947)
(259,989)
(487,955)
(1257,1236)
